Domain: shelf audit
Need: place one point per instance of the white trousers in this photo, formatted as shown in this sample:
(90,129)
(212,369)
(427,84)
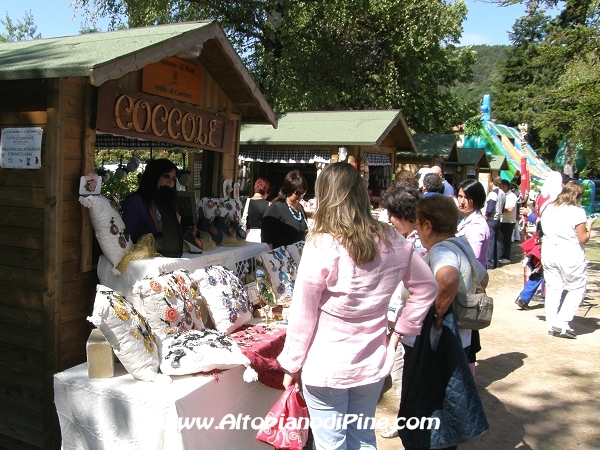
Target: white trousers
(564,269)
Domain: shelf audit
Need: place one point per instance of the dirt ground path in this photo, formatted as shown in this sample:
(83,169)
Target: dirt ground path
(539,392)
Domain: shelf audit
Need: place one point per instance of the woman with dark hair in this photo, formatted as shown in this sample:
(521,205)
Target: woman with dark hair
(437,381)
(284,221)
(400,203)
(565,232)
(473,226)
(154,203)
(338,346)
(255,208)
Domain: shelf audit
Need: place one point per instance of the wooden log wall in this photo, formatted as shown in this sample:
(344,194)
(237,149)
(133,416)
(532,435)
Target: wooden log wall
(44,296)
(22,220)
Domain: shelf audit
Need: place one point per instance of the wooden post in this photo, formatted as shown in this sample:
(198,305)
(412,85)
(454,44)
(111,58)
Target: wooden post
(53,213)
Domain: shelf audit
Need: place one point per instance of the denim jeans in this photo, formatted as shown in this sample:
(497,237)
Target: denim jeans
(492,253)
(327,406)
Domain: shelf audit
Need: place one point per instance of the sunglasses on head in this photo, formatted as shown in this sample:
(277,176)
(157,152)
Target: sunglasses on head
(167,176)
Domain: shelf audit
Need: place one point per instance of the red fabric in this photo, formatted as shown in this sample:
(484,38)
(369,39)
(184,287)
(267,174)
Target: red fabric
(532,247)
(265,347)
(279,431)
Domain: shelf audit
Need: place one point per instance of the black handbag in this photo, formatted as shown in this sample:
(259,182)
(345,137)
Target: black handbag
(473,311)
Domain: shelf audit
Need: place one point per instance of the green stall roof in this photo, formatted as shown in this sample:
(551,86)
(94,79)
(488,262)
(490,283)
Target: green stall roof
(110,55)
(364,128)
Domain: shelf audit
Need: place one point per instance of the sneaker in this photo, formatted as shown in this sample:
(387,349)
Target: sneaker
(389,432)
(504,261)
(566,333)
(521,304)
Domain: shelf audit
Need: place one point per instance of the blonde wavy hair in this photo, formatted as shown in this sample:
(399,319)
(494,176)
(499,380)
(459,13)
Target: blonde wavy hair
(570,195)
(344,212)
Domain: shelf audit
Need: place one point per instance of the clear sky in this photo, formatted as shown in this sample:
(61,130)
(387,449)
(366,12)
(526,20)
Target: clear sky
(485,24)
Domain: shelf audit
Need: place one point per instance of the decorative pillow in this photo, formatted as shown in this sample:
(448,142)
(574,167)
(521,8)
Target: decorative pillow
(295,251)
(127,332)
(171,302)
(234,208)
(109,228)
(202,351)
(221,207)
(227,300)
(282,268)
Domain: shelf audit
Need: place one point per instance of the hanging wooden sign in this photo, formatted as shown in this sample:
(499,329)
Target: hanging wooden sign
(173,78)
(147,117)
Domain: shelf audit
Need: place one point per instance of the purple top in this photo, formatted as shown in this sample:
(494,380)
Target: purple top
(137,217)
(475,229)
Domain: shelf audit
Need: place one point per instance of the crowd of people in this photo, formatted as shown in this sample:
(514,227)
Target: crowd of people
(339,349)
(374,296)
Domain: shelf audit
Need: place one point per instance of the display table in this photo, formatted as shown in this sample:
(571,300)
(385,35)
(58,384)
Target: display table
(237,259)
(122,413)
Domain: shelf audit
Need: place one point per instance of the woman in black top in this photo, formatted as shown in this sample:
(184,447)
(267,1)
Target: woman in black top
(284,222)
(257,205)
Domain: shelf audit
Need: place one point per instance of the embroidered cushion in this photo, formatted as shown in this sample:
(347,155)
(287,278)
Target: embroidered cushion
(234,208)
(227,300)
(127,332)
(221,207)
(109,228)
(282,268)
(296,252)
(199,351)
(171,302)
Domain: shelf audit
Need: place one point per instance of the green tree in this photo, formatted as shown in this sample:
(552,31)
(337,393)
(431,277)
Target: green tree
(572,105)
(23,30)
(521,77)
(560,93)
(489,57)
(334,54)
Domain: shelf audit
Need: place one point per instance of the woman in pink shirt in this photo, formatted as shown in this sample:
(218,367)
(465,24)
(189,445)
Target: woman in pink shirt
(337,338)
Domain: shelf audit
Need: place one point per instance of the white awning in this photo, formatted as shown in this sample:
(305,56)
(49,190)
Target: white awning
(285,156)
(377,159)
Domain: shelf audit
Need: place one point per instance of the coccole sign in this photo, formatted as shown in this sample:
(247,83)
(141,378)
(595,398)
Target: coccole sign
(144,116)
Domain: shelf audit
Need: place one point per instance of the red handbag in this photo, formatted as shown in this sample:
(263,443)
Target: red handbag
(286,424)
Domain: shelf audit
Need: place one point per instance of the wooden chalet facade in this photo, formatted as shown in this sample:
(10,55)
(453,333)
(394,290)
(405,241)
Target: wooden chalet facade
(73,87)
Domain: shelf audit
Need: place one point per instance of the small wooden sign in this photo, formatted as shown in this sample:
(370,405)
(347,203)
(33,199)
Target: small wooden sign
(173,78)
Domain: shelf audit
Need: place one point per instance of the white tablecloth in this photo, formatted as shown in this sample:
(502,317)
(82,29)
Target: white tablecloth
(137,270)
(122,413)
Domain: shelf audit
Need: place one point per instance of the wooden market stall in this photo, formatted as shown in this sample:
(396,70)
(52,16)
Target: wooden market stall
(181,84)
(305,138)
(468,163)
(456,162)
(432,149)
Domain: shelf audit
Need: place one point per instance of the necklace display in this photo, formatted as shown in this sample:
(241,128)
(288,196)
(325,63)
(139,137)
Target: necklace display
(295,214)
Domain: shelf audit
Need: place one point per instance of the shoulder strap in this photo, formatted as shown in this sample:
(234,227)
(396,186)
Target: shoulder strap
(466,253)
(245,214)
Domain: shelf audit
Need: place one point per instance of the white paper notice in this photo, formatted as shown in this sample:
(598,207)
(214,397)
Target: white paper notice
(21,148)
